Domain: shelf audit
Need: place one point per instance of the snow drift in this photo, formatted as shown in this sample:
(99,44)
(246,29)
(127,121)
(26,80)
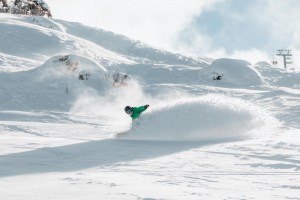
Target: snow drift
(237,73)
(209,118)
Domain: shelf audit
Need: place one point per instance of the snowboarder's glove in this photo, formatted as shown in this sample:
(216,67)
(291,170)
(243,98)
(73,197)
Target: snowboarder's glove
(146,106)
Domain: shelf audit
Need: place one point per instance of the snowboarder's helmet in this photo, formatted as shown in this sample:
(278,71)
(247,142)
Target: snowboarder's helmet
(128,109)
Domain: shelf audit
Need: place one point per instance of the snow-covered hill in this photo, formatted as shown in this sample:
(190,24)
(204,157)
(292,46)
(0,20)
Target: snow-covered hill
(213,126)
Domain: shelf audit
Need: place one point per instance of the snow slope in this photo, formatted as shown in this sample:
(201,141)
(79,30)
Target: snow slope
(61,110)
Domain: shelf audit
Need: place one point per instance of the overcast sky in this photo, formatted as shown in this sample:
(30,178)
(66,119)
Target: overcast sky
(245,29)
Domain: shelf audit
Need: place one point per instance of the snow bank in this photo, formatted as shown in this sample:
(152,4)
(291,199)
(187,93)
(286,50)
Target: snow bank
(69,65)
(209,118)
(233,73)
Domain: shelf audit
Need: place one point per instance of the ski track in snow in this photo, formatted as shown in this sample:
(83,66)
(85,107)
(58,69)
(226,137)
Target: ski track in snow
(199,139)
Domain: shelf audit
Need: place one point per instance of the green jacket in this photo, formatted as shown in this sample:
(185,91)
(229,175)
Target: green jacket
(137,111)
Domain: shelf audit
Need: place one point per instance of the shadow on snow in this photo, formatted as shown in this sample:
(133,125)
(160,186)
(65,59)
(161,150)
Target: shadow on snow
(88,154)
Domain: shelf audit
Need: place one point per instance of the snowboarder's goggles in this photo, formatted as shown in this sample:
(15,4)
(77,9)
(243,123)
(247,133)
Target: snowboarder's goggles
(129,111)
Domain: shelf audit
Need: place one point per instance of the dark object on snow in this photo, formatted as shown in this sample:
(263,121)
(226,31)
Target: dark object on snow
(80,77)
(217,76)
(84,75)
(66,57)
(120,79)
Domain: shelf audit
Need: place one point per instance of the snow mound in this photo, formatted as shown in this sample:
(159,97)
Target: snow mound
(69,65)
(207,118)
(232,72)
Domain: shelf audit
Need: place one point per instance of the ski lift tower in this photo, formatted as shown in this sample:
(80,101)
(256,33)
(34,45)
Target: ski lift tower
(287,56)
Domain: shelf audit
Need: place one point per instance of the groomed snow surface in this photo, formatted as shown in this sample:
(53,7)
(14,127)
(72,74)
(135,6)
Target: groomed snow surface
(65,135)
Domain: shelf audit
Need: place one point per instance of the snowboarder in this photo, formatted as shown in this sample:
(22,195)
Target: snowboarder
(135,112)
